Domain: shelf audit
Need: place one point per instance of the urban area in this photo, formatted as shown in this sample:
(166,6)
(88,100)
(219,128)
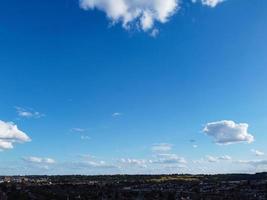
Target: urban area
(135,187)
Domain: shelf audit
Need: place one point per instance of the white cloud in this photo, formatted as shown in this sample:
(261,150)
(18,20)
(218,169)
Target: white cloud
(228,132)
(211,3)
(200,161)
(257,152)
(154,33)
(160,161)
(255,163)
(116,114)
(82,133)
(133,162)
(89,161)
(212,159)
(161,147)
(169,159)
(5,145)
(87,156)
(226,157)
(28,113)
(85,137)
(195,146)
(9,134)
(79,130)
(97,164)
(138,13)
(39,160)
(164,156)
(87,164)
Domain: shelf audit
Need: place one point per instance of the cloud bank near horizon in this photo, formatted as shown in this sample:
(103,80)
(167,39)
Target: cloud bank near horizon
(39,160)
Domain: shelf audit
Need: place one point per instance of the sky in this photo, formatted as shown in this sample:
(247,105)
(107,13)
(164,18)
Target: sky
(133,87)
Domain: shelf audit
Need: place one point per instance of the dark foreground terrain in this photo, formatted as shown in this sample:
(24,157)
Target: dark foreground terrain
(136,187)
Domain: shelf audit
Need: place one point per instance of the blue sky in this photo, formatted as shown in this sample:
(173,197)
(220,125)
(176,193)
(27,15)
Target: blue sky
(171,90)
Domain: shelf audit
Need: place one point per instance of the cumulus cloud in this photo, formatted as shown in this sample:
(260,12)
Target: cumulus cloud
(228,132)
(28,113)
(139,13)
(10,134)
(162,147)
(39,160)
(257,152)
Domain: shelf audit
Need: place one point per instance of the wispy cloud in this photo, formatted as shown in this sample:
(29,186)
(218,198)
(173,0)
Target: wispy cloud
(169,159)
(254,163)
(257,152)
(211,3)
(82,133)
(159,162)
(89,161)
(133,162)
(39,163)
(28,113)
(39,160)
(85,137)
(10,134)
(79,130)
(154,33)
(226,157)
(116,114)
(211,159)
(164,157)
(214,159)
(161,147)
(97,164)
